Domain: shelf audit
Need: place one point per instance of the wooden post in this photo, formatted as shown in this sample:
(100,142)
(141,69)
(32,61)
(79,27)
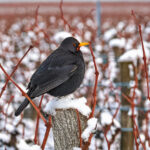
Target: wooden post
(127,137)
(118,52)
(66,129)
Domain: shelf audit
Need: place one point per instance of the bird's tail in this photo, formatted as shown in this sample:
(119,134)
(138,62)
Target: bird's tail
(22,107)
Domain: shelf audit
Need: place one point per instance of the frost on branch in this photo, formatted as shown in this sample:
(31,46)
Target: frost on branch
(68,102)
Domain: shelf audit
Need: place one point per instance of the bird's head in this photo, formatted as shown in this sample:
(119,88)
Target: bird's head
(72,44)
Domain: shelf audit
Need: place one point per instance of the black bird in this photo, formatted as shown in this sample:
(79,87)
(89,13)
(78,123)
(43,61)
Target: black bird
(60,74)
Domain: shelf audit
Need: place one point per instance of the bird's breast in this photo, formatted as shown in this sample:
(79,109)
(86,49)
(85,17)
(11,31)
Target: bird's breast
(72,83)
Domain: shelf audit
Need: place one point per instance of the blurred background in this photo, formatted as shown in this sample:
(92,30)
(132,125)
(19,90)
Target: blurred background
(113,28)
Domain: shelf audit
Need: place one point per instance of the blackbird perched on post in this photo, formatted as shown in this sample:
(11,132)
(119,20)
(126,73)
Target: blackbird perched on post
(60,74)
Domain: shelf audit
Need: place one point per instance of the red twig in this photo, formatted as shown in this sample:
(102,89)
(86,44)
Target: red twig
(10,100)
(36,15)
(36,24)
(135,128)
(144,59)
(3,89)
(90,12)
(147,127)
(47,39)
(62,14)
(127,98)
(1,111)
(24,94)
(108,128)
(94,92)
(131,101)
(134,17)
(37,122)
(96,82)
(132,108)
(105,135)
(46,133)
(79,127)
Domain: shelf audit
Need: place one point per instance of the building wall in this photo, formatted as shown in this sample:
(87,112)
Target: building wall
(109,8)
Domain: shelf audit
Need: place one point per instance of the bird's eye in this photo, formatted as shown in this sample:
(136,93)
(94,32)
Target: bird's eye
(75,45)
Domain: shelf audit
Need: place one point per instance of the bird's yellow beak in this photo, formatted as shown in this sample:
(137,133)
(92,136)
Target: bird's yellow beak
(83,44)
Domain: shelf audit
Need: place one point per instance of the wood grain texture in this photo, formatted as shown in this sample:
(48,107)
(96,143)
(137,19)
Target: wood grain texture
(65,129)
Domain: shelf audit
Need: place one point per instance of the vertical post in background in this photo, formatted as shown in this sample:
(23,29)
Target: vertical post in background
(98,17)
(127,137)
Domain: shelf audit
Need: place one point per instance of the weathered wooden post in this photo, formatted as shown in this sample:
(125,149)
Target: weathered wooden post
(69,119)
(66,129)
(127,137)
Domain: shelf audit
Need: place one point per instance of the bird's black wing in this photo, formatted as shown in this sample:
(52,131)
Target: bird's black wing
(54,71)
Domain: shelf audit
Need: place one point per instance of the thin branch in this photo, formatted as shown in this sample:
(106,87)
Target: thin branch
(24,94)
(144,59)
(62,14)
(134,17)
(94,94)
(96,82)
(37,121)
(10,100)
(133,116)
(127,98)
(133,107)
(19,62)
(109,126)
(49,124)
(36,15)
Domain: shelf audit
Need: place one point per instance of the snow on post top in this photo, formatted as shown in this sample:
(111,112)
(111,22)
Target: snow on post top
(68,102)
(133,55)
(120,43)
(110,34)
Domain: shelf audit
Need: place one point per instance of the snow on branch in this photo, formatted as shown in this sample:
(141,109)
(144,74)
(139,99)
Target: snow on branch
(90,128)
